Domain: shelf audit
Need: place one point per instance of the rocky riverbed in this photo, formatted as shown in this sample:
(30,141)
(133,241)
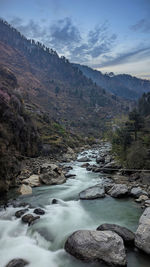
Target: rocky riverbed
(80,207)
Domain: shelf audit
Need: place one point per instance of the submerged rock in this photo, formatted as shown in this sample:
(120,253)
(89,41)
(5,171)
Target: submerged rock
(126,234)
(118,190)
(104,246)
(93,192)
(29,218)
(17,263)
(142,235)
(69,175)
(19,213)
(85,165)
(39,211)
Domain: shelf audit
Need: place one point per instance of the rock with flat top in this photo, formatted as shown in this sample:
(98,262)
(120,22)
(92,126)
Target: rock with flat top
(118,190)
(93,192)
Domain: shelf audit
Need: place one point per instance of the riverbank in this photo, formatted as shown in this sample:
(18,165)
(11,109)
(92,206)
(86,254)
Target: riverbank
(42,242)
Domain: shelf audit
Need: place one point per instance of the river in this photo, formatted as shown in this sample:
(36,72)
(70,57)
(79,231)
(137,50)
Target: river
(42,243)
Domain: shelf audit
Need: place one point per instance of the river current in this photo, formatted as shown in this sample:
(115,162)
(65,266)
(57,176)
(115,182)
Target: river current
(42,243)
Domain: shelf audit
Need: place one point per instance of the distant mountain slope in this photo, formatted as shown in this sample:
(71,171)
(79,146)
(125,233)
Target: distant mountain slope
(55,85)
(121,85)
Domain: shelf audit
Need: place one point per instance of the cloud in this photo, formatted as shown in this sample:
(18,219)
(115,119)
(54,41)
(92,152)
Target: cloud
(130,56)
(65,37)
(98,42)
(142,25)
(31,29)
(64,33)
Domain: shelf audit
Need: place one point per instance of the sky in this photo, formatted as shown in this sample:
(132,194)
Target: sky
(107,35)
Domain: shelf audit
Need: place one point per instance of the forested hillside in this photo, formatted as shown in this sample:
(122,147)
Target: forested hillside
(123,85)
(56,85)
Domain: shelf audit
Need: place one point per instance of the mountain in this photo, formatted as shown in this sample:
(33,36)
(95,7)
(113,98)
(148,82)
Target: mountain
(55,85)
(47,104)
(122,85)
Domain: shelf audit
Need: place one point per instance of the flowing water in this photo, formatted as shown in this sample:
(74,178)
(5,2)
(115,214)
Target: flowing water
(42,243)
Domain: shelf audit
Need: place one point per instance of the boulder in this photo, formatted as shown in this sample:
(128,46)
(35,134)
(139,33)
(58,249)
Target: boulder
(17,263)
(52,177)
(100,159)
(93,192)
(126,234)
(85,165)
(25,189)
(39,211)
(96,169)
(147,203)
(33,180)
(118,190)
(29,218)
(142,235)
(69,175)
(104,246)
(83,159)
(137,192)
(19,213)
(142,198)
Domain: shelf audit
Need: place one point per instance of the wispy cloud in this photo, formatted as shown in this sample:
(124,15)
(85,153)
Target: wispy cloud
(63,35)
(126,57)
(31,29)
(142,25)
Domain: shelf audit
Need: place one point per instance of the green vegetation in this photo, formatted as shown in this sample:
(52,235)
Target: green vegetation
(131,139)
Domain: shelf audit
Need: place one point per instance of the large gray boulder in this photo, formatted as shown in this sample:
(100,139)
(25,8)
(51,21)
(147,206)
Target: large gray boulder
(104,246)
(93,192)
(126,234)
(137,192)
(118,190)
(142,235)
(17,263)
(51,174)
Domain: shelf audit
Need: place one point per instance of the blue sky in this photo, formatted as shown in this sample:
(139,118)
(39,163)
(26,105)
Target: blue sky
(108,35)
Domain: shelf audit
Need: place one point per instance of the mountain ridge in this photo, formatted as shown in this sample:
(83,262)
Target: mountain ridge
(56,85)
(123,85)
